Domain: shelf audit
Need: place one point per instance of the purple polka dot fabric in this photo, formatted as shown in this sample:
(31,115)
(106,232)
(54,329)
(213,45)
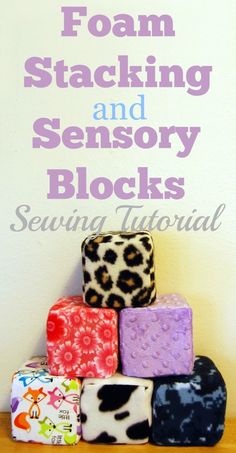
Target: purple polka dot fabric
(157,340)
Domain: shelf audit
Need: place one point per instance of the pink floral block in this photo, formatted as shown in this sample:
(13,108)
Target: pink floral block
(81,341)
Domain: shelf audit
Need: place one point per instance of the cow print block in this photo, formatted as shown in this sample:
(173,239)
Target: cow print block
(118,269)
(116,410)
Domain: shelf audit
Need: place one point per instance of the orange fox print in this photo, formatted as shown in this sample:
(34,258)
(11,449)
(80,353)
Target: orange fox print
(34,397)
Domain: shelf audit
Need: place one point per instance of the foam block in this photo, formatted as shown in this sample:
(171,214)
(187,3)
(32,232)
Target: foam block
(81,341)
(157,340)
(44,408)
(116,410)
(190,410)
(118,269)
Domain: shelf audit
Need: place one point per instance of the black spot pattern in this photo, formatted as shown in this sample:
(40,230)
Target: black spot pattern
(104,438)
(103,278)
(83,417)
(90,251)
(150,261)
(128,236)
(87,277)
(129,281)
(147,271)
(138,430)
(110,256)
(150,264)
(152,276)
(153,299)
(114,396)
(142,298)
(119,242)
(132,256)
(115,301)
(122,415)
(146,243)
(104,239)
(93,298)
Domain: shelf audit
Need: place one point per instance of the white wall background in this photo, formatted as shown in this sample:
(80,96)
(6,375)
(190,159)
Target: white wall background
(39,267)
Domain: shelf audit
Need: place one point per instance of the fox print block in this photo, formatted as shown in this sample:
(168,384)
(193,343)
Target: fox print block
(81,340)
(44,408)
(116,410)
(189,410)
(118,269)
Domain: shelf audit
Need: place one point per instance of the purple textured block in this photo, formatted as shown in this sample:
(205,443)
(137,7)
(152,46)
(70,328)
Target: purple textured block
(157,340)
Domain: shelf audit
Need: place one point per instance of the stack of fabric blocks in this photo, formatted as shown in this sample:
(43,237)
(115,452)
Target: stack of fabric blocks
(133,351)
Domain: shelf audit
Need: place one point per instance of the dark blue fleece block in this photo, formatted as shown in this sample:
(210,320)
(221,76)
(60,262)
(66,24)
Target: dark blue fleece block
(189,410)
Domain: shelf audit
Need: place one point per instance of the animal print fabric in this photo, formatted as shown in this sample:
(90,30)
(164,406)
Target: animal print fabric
(118,269)
(44,408)
(81,340)
(116,410)
(189,410)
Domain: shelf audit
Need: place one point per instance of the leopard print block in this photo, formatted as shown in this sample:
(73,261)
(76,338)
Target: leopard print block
(118,269)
